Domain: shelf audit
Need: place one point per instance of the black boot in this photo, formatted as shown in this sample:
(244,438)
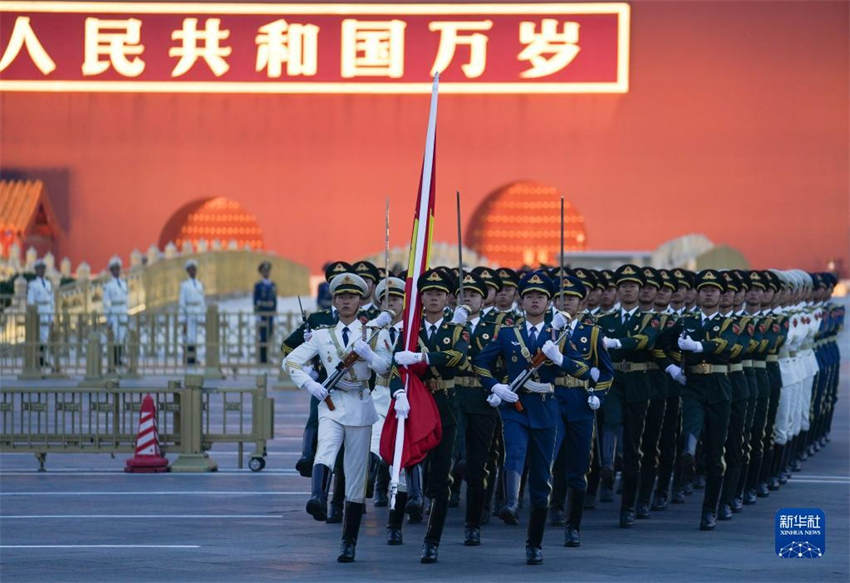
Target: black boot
(317,505)
(474,506)
(509,512)
(606,484)
(556,516)
(335,515)
(415,502)
(304,465)
(434,532)
(372,475)
(727,496)
(489,491)
(534,542)
(396,519)
(709,520)
(575,508)
(350,528)
(382,485)
(802,454)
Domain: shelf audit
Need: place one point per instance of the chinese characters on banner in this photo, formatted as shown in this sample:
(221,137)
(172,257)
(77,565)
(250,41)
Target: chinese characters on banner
(314,48)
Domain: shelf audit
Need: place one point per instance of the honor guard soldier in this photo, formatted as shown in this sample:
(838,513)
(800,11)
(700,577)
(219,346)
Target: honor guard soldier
(350,421)
(489,277)
(629,336)
(265,308)
(476,417)
(608,299)
(443,351)
(707,340)
(115,294)
(530,428)
(322,318)
(370,275)
(191,311)
(504,301)
(578,401)
(40,295)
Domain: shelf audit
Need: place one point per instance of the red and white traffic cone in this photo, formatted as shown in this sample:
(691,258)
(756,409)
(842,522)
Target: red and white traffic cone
(148,458)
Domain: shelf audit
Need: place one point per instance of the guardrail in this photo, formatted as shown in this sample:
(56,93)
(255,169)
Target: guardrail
(82,344)
(190,419)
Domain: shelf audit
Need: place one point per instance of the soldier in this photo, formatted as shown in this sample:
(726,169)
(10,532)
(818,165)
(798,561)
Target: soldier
(578,401)
(370,275)
(707,340)
(530,428)
(191,311)
(115,293)
(608,299)
(40,295)
(629,335)
(350,422)
(504,303)
(489,277)
(265,307)
(443,350)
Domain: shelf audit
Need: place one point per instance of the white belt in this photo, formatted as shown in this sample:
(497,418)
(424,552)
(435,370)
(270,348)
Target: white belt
(535,387)
(350,386)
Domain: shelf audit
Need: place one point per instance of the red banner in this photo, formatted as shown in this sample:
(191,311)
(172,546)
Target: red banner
(314,48)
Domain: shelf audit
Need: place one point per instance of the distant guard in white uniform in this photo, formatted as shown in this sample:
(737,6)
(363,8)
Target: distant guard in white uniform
(40,295)
(191,309)
(350,422)
(115,293)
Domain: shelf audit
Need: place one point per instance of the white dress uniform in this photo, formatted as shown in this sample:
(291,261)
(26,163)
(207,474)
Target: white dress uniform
(786,411)
(40,294)
(115,294)
(350,422)
(387,339)
(191,308)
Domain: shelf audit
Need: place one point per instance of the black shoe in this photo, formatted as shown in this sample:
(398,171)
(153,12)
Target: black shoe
(627,518)
(606,484)
(472,536)
(660,502)
(572,537)
(606,494)
(335,515)
(415,507)
(688,489)
(394,536)
(762,491)
(773,483)
(556,517)
(381,499)
(509,516)
(804,455)
(642,510)
(305,467)
(317,505)
(709,521)
(533,555)
(781,480)
(796,466)
(725,512)
(509,512)
(429,553)
(750,497)
(678,497)
(699,482)
(353,515)
(737,505)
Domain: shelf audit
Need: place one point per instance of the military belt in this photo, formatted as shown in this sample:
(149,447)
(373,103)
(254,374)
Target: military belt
(436,386)
(747,363)
(631,366)
(652,366)
(772,358)
(570,382)
(792,353)
(759,364)
(470,382)
(706,368)
(736,367)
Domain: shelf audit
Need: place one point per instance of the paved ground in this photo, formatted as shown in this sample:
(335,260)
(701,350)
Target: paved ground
(85,520)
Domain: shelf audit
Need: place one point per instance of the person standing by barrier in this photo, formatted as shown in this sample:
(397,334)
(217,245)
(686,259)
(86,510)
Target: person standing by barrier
(265,306)
(191,309)
(40,295)
(115,293)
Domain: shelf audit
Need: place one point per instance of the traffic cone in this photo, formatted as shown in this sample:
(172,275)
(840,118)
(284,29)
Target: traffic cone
(147,459)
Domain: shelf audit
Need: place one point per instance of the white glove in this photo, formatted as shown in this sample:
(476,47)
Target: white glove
(689,344)
(560,320)
(383,320)
(316,389)
(460,315)
(676,373)
(307,335)
(553,353)
(493,400)
(402,406)
(594,374)
(363,350)
(407,357)
(593,402)
(311,372)
(610,343)
(504,393)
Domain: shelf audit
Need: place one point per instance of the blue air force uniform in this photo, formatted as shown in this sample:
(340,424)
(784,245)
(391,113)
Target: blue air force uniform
(265,307)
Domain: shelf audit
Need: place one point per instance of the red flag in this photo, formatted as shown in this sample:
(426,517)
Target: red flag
(422,430)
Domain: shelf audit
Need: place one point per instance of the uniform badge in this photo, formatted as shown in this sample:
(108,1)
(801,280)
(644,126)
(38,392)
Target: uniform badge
(671,322)
(525,353)
(653,323)
(736,329)
(776,328)
(785,324)
(446,340)
(485,336)
(716,328)
(465,335)
(584,339)
(514,358)
(751,329)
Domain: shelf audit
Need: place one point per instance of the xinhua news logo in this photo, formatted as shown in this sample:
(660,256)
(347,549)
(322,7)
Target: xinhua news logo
(800,533)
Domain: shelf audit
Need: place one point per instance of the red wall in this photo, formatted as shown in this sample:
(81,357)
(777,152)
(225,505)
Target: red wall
(736,126)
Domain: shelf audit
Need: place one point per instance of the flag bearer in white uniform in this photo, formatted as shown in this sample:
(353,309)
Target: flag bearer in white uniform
(191,310)
(40,295)
(115,294)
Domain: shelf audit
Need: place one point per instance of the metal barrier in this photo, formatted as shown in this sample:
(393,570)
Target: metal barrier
(228,342)
(190,419)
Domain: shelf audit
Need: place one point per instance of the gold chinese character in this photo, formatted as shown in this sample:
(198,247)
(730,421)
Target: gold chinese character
(450,39)
(294,44)
(116,39)
(561,47)
(23,35)
(190,52)
(372,49)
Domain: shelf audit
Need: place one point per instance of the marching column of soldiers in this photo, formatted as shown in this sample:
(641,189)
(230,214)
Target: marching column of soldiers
(552,382)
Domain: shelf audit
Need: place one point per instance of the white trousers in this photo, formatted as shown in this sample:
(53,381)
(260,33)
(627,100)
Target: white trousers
(118,324)
(805,402)
(784,414)
(193,323)
(332,435)
(45,322)
(381,398)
